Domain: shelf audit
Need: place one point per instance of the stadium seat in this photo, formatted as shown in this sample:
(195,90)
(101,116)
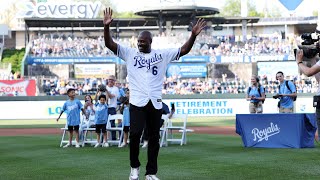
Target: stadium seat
(176,130)
(118,128)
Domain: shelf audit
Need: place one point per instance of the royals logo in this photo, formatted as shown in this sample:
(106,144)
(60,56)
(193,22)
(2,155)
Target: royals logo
(141,61)
(264,134)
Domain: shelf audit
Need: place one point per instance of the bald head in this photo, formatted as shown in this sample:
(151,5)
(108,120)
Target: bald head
(146,34)
(144,41)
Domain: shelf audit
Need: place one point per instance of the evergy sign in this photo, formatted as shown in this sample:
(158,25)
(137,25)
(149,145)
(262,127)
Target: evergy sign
(60,10)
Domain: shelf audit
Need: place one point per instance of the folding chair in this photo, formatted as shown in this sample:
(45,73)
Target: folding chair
(87,129)
(64,138)
(177,124)
(163,131)
(117,128)
(64,131)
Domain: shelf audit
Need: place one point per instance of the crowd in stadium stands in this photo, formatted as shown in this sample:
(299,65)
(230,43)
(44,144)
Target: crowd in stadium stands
(5,75)
(66,46)
(174,85)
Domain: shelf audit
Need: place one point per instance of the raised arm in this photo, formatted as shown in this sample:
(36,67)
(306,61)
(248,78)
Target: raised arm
(196,29)
(313,70)
(107,37)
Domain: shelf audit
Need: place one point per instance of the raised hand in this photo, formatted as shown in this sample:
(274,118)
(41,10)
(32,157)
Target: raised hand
(107,16)
(197,28)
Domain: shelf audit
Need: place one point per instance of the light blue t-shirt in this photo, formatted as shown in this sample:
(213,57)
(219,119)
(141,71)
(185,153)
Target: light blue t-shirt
(254,92)
(126,116)
(286,101)
(101,115)
(72,109)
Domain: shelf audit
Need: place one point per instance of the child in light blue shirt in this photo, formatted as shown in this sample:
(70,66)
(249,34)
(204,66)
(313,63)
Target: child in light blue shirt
(72,108)
(101,118)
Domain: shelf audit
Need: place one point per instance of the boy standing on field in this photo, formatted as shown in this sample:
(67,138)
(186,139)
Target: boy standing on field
(72,107)
(100,120)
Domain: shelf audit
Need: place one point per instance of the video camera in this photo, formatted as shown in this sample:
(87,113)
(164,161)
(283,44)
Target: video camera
(310,44)
(102,88)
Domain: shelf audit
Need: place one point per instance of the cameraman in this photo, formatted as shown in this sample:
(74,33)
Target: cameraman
(286,94)
(310,71)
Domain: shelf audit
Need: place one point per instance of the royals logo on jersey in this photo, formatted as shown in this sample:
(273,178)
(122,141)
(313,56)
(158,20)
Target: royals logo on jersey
(142,61)
(146,73)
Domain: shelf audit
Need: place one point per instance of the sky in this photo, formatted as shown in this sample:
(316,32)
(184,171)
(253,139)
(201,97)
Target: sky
(305,9)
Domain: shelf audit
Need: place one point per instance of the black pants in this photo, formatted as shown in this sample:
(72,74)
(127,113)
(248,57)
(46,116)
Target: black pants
(145,131)
(139,118)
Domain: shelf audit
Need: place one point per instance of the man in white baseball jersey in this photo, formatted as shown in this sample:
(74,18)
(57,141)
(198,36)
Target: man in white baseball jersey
(146,69)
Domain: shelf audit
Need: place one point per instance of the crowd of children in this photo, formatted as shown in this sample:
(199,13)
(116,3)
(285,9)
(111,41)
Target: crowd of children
(95,115)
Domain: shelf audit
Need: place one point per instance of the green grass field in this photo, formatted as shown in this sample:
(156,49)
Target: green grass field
(204,157)
(192,121)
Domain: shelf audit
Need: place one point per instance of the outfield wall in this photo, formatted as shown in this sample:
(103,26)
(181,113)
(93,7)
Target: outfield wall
(49,107)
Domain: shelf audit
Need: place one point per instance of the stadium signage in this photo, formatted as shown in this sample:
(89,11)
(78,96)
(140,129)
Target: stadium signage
(264,134)
(34,109)
(62,10)
(17,87)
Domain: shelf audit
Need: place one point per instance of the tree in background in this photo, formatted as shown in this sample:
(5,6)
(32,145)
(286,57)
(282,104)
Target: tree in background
(14,57)
(9,15)
(232,8)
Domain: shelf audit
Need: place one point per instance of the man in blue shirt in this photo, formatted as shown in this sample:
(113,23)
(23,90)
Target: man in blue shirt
(286,93)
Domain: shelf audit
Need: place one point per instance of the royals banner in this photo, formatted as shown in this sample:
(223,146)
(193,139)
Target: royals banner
(17,87)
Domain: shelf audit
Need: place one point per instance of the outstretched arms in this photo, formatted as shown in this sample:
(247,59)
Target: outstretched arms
(107,37)
(196,29)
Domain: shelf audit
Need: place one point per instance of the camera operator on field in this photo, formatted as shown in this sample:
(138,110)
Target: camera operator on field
(313,59)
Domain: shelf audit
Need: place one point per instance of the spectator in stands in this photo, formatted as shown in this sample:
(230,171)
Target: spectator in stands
(72,107)
(146,68)
(256,96)
(286,93)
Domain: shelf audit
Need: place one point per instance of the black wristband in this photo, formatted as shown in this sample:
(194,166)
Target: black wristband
(300,62)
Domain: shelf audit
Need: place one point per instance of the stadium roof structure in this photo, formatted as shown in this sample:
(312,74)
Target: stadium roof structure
(177,11)
(152,16)
(130,22)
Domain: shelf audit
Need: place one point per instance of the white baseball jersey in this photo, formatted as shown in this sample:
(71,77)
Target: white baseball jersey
(146,73)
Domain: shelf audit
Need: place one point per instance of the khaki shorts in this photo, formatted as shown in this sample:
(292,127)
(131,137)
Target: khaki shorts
(255,107)
(285,110)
